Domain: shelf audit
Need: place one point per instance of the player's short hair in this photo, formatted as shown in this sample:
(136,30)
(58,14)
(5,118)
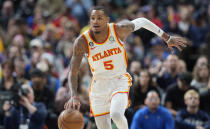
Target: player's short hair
(191,92)
(100,8)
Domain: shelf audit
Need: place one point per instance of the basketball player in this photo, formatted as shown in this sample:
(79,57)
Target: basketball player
(103,45)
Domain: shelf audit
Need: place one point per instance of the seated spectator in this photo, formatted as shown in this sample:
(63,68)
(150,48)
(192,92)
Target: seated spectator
(204,98)
(20,64)
(182,66)
(135,67)
(52,82)
(202,60)
(44,94)
(191,117)
(138,93)
(175,93)
(145,84)
(152,116)
(168,75)
(201,76)
(62,96)
(157,52)
(8,83)
(28,114)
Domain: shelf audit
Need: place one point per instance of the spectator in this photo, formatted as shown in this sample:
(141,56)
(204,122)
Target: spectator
(8,83)
(201,76)
(20,70)
(186,28)
(135,68)
(53,7)
(36,45)
(153,116)
(172,20)
(65,45)
(145,84)
(62,96)
(14,52)
(182,66)
(202,60)
(174,99)
(191,117)
(168,75)
(205,97)
(7,12)
(44,94)
(52,78)
(157,52)
(28,114)
(35,59)
(138,93)
(79,9)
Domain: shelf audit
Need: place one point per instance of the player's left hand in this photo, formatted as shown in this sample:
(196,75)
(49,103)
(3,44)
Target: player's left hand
(178,42)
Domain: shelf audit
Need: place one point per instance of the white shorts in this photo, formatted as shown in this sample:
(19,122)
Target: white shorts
(102,91)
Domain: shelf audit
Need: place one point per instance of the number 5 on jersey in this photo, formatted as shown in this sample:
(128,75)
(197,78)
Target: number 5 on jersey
(108,65)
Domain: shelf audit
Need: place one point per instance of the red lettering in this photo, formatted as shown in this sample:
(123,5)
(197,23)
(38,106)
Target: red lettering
(106,53)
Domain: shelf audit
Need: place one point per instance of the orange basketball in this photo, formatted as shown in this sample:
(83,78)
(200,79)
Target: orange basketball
(70,119)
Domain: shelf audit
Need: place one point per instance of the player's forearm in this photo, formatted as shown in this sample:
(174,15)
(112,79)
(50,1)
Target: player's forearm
(145,23)
(73,83)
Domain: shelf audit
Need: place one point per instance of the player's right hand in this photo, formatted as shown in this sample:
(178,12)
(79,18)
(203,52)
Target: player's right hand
(73,103)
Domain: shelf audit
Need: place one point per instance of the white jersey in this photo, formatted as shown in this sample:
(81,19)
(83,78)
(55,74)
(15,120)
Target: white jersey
(107,59)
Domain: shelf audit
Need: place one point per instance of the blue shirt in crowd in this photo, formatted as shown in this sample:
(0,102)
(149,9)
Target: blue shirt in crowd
(37,119)
(160,119)
(185,120)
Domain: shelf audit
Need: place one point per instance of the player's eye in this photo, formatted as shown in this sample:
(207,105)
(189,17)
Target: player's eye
(100,18)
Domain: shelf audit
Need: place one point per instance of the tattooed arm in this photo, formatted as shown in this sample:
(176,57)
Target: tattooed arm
(125,27)
(80,48)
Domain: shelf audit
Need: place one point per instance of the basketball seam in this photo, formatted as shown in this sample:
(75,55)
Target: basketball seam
(63,120)
(63,123)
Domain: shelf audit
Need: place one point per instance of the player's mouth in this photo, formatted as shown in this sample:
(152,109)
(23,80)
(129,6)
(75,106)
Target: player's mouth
(96,27)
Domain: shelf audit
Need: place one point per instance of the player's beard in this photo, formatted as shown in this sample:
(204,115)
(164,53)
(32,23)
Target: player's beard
(97,32)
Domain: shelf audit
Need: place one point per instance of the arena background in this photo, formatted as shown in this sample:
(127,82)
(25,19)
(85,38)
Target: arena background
(39,34)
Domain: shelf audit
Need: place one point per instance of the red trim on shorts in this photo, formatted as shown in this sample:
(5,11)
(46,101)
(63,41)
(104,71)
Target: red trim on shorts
(101,114)
(118,92)
(91,110)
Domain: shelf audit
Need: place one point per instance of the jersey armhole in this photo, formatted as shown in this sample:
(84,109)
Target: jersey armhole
(116,36)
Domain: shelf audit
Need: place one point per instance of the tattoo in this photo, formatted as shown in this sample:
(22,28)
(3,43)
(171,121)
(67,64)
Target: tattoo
(126,24)
(124,28)
(80,48)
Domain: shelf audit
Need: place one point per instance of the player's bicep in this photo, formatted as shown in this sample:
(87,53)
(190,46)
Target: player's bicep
(78,52)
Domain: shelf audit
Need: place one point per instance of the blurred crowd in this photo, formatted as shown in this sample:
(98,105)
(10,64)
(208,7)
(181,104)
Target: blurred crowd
(36,43)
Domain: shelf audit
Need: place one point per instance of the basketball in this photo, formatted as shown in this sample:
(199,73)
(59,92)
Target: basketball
(70,119)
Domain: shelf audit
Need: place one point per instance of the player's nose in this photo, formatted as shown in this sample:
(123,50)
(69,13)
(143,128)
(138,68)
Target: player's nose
(95,21)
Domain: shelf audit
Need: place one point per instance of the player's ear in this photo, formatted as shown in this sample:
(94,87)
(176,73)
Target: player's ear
(108,19)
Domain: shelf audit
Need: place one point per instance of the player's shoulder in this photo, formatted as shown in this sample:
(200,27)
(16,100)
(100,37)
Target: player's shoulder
(123,23)
(80,40)
(80,44)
